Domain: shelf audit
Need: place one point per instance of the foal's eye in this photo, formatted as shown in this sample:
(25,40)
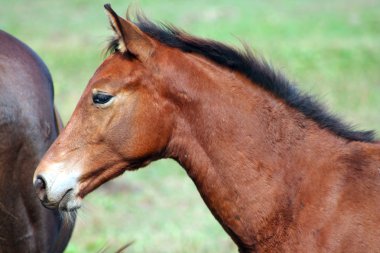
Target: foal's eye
(101,98)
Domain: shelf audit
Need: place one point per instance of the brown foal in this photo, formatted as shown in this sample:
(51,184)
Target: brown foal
(278,172)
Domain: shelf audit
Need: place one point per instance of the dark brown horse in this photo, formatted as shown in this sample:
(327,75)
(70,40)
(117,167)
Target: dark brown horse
(28,126)
(276,170)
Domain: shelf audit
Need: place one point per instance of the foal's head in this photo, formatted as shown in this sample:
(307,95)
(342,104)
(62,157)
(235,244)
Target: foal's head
(121,122)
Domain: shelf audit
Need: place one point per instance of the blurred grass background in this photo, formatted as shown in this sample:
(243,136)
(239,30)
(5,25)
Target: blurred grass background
(330,48)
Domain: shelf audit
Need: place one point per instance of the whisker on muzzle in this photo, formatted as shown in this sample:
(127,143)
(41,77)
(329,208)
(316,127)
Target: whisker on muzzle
(68,218)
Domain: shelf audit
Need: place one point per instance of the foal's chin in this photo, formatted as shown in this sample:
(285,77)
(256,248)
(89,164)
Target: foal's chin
(68,204)
(71,205)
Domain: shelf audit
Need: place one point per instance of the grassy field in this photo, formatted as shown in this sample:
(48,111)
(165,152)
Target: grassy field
(330,48)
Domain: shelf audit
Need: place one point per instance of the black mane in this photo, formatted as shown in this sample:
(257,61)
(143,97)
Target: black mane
(257,70)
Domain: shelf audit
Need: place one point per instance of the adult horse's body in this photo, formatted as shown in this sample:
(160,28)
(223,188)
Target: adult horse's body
(278,172)
(28,126)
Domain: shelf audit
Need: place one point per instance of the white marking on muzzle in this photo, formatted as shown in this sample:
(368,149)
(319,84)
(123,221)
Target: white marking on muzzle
(60,178)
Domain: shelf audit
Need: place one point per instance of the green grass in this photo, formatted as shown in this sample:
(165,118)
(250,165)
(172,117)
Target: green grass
(330,48)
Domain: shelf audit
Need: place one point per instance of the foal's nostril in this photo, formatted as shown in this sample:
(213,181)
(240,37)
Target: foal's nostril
(40,183)
(40,186)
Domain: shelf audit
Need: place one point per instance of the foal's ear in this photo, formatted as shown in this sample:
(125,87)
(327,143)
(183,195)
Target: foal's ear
(130,37)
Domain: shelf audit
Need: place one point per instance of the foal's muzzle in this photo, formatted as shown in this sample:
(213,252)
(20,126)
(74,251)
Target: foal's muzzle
(56,188)
(40,186)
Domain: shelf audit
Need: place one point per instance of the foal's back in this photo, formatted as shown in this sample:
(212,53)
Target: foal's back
(361,204)
(349,218)
(27,128)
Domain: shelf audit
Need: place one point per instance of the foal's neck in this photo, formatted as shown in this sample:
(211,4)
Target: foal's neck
(243,148)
